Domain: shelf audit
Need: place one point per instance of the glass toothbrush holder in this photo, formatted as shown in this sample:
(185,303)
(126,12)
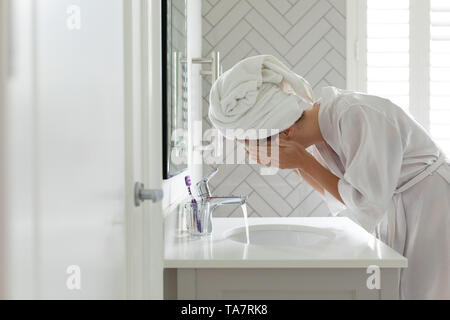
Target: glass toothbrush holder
(198,222)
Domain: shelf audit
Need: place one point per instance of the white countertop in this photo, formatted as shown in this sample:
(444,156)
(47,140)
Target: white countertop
(351,247)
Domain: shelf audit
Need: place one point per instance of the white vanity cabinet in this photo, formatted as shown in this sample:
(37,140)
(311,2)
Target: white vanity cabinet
(284,284)
(352,265)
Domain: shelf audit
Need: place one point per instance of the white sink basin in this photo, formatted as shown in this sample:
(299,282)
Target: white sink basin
(280,235)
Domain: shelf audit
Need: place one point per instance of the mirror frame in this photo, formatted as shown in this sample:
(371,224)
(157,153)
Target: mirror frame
(165,104)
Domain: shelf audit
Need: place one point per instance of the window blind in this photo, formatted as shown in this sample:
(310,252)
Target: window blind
(406,58)
(388,71)
(440,73)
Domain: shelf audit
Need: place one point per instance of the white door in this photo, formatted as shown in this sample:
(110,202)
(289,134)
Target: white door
(78,109)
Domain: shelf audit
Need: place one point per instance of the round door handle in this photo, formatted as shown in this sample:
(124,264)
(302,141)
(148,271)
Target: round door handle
(141,194)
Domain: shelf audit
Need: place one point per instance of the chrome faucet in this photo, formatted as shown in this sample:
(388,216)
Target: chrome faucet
(209,203)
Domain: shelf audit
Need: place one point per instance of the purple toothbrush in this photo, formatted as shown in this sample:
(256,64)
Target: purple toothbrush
(187,180)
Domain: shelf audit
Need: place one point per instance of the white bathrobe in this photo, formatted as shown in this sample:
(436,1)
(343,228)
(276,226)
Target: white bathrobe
(394,180)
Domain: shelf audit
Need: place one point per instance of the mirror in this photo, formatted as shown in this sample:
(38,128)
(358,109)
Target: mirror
(175,87)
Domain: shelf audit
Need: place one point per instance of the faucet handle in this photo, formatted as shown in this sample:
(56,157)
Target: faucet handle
(211,175)
(202,185)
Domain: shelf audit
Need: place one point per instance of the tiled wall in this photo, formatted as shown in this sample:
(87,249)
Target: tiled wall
(309,37)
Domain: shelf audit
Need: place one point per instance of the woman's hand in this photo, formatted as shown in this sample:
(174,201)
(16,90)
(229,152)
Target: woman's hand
(286,154)
(280,153)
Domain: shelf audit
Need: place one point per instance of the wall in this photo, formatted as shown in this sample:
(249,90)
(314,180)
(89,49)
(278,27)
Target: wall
(171,209)
(174,188)
(309,37)
(196,94)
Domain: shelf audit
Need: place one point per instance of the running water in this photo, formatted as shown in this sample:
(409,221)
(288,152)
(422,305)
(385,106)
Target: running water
(244,212)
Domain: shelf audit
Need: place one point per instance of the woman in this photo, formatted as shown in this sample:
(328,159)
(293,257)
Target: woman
(368,156)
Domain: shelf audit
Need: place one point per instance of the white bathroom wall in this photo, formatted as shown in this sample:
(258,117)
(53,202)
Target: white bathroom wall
(309,37)
(174,189)
(195,41)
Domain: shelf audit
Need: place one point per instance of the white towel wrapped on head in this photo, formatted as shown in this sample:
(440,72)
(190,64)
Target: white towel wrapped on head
(252,96)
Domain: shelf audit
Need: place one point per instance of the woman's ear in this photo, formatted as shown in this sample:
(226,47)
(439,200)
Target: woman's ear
(288,133)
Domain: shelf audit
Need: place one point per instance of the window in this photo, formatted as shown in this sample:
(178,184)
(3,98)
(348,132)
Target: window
(440,73)
(388,50)
(400,49)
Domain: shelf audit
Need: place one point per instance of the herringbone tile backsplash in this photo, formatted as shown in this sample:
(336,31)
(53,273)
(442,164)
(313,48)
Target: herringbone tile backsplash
(309,37)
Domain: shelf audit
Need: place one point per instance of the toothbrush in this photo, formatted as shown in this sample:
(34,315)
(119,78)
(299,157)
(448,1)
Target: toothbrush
(187,180)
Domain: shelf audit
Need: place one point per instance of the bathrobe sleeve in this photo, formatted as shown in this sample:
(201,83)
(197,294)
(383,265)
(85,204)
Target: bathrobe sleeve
(372,148)
(334,205)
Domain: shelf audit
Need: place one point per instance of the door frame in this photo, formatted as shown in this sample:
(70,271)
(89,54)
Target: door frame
(143,126)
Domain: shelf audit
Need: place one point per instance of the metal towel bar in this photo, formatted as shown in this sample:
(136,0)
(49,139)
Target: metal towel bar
(216,67)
